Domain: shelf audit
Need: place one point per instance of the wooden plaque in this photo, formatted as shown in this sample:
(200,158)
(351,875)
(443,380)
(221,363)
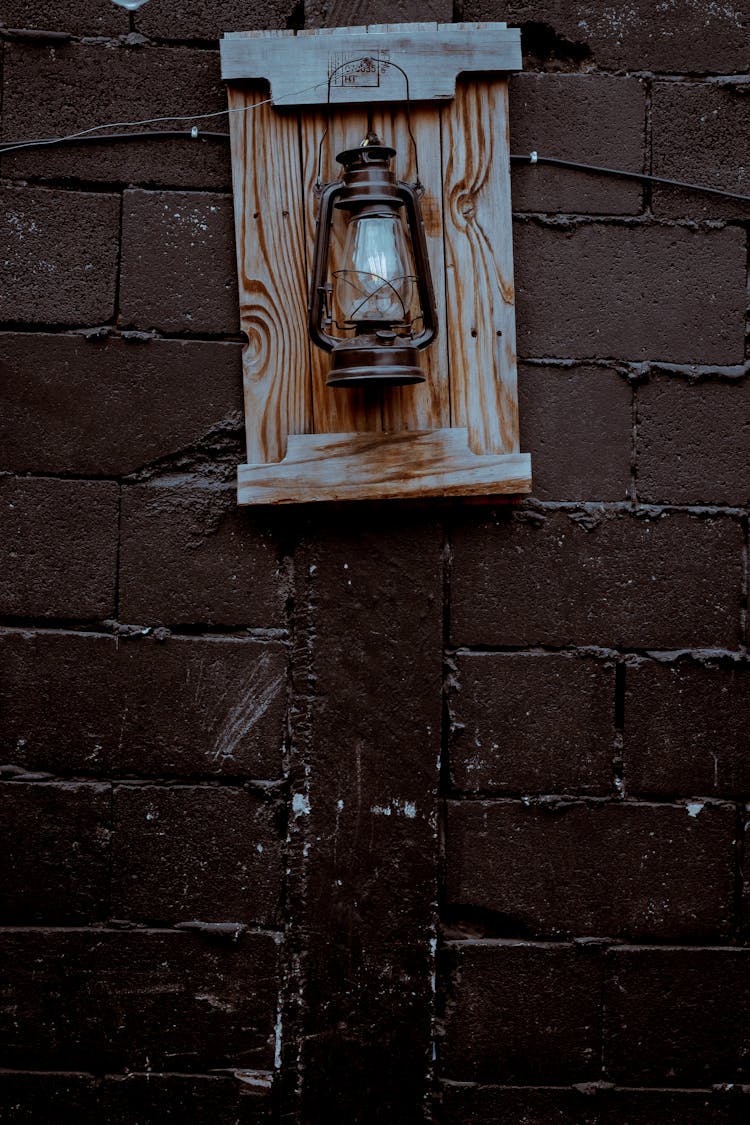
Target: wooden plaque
(457,433)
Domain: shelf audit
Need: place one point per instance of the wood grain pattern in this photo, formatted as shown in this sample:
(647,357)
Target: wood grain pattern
(381,466)
(480,298)
(272,274)
(433,55)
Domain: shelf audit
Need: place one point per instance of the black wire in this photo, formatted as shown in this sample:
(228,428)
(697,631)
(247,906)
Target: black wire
(152,135)
(176,134)
(640,176)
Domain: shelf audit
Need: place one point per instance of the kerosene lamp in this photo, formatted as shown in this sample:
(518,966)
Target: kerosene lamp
(378,293)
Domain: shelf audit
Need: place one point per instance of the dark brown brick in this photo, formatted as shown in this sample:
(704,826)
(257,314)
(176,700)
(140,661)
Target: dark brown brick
(497,1105)
(519,1012)
(693,440)
(59,264)
(342,13)
(54,840)
(376,658)
(76,703)
(194,852)
(191,19)
(58,547)
(686,729)
(190,556)
(671,582)
(699,133)
(138,998)
(73,405)
(178,269)
(532,724)
(683,37)
(575,870)
(57,90)
(32,1097)
(79,17)
(668,1107)
(461,1103)
(643,292)
(589,118)
(369,593)
(577,424)
(172,1099)
(746,879)
(677,1016)
(376,674)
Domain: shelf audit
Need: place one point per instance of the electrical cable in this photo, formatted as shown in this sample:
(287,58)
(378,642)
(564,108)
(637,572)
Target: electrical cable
(152,135)
(85,137)
(643,177)
(70,138)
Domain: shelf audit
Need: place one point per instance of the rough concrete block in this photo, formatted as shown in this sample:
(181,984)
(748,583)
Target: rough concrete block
(677,1016)
(62,88)
(54,839)
(693,440)
(670,582)
(594,119)
(137,706)
(115,999)
(189,852)
(178,262)
(71,405)
(568,869)
(532,724)
(58,548)
(190,556)
(518,1011)
(577,424)
(59,261)
(643,292)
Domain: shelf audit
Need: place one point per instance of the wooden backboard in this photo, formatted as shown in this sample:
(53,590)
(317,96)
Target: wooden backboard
(457,433)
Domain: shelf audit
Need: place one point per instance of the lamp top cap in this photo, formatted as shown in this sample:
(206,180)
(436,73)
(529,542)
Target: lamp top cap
(370,151)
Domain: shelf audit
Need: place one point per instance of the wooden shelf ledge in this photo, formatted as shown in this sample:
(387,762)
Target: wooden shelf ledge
(379,466)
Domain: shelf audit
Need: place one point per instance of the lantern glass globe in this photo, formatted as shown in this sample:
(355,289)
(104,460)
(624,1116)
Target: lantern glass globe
(375,283)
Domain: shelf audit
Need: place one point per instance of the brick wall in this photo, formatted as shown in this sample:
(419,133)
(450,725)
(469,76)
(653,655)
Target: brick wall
(398,811)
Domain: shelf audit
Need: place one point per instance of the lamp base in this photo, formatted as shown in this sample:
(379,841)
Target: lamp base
(366,361)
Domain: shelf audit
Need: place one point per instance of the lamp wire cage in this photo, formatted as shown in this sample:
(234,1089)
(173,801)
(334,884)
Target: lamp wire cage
(418,187)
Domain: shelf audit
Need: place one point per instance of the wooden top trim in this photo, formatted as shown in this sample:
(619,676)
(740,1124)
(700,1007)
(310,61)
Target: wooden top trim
(411,28)
(297,64)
